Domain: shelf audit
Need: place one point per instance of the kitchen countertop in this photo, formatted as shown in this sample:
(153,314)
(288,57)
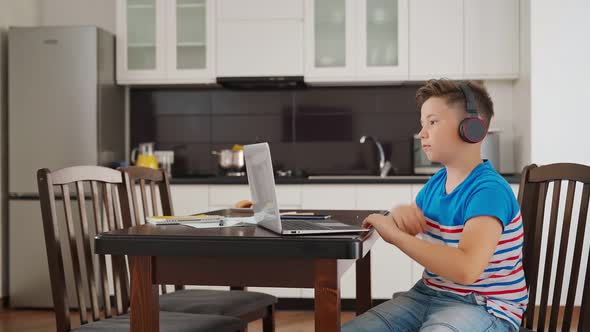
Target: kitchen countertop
(330,179)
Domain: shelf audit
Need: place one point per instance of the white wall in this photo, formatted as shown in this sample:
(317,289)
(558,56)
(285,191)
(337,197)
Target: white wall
(560,92)
(100,13)
(560,86)
(12,13)
(521,118)
(501,93)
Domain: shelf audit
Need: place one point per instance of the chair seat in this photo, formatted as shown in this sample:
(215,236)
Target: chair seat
(172,322)
(215,302)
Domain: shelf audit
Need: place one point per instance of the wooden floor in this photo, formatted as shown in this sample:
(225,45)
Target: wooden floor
(43,321)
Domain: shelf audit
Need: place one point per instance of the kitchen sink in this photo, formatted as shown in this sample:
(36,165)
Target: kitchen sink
(368,177)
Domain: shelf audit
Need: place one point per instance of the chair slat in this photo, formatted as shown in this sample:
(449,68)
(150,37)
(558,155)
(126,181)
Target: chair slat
(108,204)
(87,251)
(565,232)
(153,193)
(534,259)
(144,200)
(54,252)
(71,234)
(527,194)
(575,272)
(154,198)
(166,196)
(585,309)
(103,273)
(133,193)
(121,260)
(549,254)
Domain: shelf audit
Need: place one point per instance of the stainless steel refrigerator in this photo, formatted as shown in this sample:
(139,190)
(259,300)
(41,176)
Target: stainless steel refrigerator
(64,109)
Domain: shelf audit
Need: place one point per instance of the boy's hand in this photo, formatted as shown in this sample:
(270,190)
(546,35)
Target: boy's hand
(385,225)
(409,219)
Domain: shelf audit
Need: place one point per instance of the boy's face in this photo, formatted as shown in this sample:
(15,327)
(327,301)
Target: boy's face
(440,130)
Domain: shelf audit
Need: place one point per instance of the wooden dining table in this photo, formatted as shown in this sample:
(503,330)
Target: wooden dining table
(241,257)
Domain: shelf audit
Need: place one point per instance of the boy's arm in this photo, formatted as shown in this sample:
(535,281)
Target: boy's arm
(463,264)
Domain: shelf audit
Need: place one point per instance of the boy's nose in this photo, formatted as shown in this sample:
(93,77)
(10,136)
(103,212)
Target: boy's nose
(422,133)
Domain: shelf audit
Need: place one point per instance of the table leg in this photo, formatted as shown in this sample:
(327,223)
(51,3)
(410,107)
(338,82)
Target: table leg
(327,296)
(364,301)
(145,305)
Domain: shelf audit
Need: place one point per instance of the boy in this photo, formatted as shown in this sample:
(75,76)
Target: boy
(470,225)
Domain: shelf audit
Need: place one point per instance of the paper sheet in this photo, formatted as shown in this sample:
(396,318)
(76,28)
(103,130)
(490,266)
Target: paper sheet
(227,222)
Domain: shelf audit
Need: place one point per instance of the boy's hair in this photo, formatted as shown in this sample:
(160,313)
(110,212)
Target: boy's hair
(453,96)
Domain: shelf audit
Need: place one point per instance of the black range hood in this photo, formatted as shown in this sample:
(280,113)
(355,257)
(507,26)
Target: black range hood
(262,83)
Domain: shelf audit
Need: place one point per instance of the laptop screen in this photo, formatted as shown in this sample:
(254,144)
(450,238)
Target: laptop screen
(262,186)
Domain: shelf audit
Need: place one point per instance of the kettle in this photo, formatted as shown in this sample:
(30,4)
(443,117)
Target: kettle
(144,156)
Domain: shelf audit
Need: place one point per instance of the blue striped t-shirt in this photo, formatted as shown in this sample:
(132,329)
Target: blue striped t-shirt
(501,287)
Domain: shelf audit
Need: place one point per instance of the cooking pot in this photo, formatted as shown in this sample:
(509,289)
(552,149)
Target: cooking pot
(230,160)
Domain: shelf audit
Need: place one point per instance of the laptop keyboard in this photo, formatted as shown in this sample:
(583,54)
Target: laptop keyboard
(301,225)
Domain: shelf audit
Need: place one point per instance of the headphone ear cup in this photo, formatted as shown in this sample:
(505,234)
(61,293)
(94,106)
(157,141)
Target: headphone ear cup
(472,130)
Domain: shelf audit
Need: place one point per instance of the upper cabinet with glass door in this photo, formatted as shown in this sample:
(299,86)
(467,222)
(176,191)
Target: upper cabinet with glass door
(329,37)
(190,37)
(356,40)
(382,40)
(140,40)
(165,41)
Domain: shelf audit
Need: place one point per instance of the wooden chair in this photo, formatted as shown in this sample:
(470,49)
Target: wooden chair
(237,302)
(71,239)
(535,183)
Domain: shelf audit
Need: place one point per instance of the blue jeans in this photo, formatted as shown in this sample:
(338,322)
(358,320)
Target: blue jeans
(426,310)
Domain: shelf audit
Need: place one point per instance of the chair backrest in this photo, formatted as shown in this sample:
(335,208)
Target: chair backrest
(153,184)
(101,191)
(544,223)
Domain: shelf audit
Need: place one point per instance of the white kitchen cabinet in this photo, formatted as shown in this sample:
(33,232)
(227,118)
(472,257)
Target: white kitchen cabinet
(259,48)
(259,38)
(356,40)
(391,269)
(515,187)
(289,196)
(259,9)
(328,196)
(436,39)
(141,40)
(417,269)
(491,39)
(189,199)
(225,196)
(382,35)
(165,41)
(330,40)
(190,36)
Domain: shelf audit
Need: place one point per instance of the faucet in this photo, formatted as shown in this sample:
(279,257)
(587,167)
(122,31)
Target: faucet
(384,166)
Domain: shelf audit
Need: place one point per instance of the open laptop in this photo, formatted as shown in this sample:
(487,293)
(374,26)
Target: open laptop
(264,199)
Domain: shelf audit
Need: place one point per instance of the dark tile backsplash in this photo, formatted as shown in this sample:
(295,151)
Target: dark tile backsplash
(310,131)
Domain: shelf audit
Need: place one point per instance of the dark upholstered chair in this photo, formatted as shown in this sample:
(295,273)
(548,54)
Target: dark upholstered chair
(546,221)
(96,209)
(238,302)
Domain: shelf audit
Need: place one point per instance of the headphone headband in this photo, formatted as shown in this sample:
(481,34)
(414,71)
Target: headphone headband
(470,104)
